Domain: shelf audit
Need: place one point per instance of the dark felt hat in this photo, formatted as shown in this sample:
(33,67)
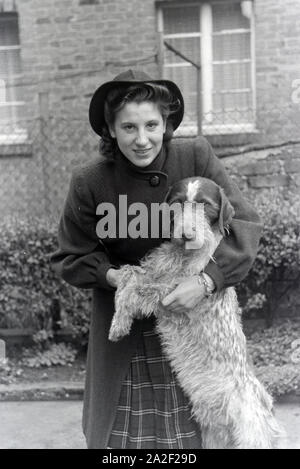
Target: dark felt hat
(96,111)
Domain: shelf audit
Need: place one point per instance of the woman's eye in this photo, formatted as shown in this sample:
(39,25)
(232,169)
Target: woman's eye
(152,125)
(128,128)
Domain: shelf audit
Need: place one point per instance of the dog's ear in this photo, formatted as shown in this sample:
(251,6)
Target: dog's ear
(175,193)
(226,212)
(168,195)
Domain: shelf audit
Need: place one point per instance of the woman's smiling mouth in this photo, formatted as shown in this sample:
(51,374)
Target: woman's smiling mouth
(143,151)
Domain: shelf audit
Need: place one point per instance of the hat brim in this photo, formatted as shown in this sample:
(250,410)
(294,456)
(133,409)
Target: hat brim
(96,109)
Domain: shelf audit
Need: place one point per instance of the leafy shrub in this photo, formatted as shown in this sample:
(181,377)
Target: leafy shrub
(278,259)
(56,354)
(276,345)
(275,353)
(280,380)
(28,285)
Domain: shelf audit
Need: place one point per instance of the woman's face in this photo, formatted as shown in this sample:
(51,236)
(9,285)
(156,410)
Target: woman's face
(139,129)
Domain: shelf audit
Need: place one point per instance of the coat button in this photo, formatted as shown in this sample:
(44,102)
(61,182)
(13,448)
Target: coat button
(154,181)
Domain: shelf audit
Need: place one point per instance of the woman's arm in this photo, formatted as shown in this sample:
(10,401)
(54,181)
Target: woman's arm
(237,251)
(80,259)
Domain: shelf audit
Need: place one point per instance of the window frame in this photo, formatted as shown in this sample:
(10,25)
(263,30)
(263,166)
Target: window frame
(18,134)
(206,54)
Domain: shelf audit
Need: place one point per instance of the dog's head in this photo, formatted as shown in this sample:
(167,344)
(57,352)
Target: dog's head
(205,194)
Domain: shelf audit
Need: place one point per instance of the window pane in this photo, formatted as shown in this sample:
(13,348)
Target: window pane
(232,76)
(189,47)
(9,32)
(232,101)
(228,16)
(229,106)
(232,108)
(181,20)
(6,112)
(14,92)
(10,113)
(232,46)
(186,78)
(10,63)
(232,88)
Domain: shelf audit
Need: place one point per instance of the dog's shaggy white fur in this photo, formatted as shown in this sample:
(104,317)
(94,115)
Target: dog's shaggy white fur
(206,347)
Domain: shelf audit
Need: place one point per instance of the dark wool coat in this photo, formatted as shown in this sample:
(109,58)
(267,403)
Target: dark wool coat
(83,261)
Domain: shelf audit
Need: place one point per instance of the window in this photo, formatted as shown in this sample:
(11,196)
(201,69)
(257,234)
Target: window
(217,35)
(11,103)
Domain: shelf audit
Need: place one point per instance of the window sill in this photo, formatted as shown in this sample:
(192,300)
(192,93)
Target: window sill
(18,135)
(15,143)
(14,149)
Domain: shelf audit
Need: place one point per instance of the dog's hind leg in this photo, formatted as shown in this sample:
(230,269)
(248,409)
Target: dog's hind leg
(216,437)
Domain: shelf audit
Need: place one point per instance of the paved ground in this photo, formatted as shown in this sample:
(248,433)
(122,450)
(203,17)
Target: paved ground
(41,425)
(289,415)
(57,424)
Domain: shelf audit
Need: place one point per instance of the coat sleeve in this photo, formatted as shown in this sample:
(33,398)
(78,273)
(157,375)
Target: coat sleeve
(80,259)
(237,251)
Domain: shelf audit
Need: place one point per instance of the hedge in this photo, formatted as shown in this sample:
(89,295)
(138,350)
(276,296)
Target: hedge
(29,288)
(276,269)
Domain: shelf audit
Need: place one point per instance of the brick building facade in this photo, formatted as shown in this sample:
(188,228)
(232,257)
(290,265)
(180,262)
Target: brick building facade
(69,47)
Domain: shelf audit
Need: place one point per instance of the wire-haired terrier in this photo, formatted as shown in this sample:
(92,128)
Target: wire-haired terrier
(206,346)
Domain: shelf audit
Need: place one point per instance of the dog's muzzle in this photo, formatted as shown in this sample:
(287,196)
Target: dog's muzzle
(188,226)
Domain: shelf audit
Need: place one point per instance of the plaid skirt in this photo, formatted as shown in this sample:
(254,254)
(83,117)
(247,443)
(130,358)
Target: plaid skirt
(153,412)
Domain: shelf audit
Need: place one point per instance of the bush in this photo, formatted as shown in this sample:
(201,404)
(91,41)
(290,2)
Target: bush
(280,380)
(275,353)
(29,287)
(56,354)
(276,346)
(276,268)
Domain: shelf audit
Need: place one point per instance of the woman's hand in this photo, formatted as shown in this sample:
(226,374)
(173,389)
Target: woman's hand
(113,277)
(185,296)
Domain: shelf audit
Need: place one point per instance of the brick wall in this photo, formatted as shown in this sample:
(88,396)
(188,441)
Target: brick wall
(277,66)
(266,168)
(76,38)
(277,47)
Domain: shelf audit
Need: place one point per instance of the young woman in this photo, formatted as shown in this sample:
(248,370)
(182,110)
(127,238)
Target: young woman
(132,398)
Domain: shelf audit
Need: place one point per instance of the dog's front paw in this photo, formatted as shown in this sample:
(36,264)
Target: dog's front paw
(120,327)
(129,273)
(115,334)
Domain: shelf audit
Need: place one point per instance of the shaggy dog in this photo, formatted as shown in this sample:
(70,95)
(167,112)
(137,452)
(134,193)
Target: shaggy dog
(206,347)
